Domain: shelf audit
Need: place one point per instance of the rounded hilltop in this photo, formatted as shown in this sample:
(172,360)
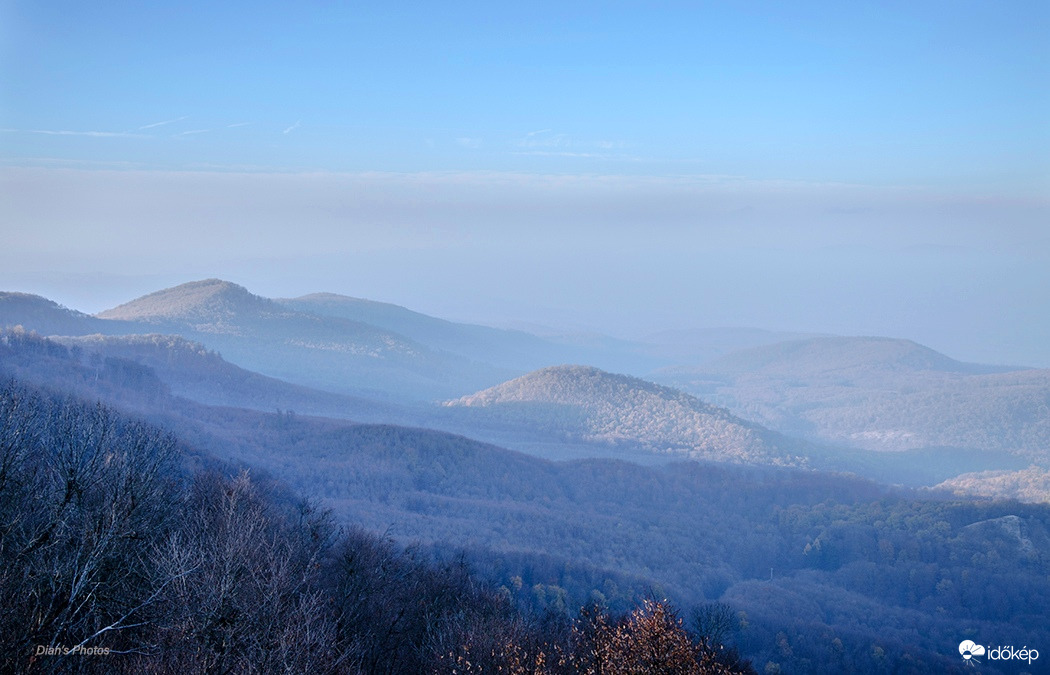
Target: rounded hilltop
(198,301)
(594,405)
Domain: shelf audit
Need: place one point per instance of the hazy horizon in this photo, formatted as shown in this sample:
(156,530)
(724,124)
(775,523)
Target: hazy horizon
(860,169)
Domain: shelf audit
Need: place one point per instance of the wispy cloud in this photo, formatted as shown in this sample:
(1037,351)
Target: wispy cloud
(191,132)
(566,153)
(67,163)
(473,143)
(298,123)
(547,143)
(160,124)
(545,138)
(237,124)
(66,132)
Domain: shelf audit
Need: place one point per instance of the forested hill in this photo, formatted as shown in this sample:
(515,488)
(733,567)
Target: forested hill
(50,318)
(880,394)
(205,304)
(868,358)
(115,559)
(509,349)
(1027,485)
(195,372)
(214,306)
(594,405)
(326,352)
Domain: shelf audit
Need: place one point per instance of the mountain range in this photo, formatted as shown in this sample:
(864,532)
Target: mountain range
(879,394)
(327,352)
(782,399)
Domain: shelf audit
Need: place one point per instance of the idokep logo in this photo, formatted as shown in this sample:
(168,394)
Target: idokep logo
(970,650)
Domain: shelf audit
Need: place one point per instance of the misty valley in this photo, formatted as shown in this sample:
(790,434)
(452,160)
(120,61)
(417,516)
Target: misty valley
(206,480)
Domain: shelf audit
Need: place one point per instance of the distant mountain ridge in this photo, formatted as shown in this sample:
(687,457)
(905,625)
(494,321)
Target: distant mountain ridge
(701,346)
(47,317)
(326,352)
(836,356)
(879,394)
(209,305)
(511,349)
(194,372)
(594,405)
(506,348)
(868,393)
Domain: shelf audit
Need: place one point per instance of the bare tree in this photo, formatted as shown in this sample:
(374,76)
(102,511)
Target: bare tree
(252,601)
(82,496)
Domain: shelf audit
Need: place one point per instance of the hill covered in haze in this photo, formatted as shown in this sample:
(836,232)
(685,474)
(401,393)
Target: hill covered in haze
(869,359)
(47,317)
(375,361)
(195,372)
(327,352)
(593,405)
(511,349)
(879,394)
(703,345)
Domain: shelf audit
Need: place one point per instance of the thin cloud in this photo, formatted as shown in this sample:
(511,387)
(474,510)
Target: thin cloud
(194,131)
(556,153)
(473,143)
(66,163)
(160,124)
(237,124)
(544,138)
(293,127)
(65,132)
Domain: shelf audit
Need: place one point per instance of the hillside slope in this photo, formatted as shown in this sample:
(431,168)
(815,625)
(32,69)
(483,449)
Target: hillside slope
(879,394)
(192,371)
(207,304)
(867,358)
(596,406)
(326,352)
(512,349)
(703,345)
(47,317)
(1025,485)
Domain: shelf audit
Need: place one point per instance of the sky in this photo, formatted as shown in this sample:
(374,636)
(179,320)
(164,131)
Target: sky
(861,168)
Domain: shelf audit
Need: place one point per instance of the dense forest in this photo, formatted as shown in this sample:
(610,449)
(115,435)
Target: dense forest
(117,557)
(809,571)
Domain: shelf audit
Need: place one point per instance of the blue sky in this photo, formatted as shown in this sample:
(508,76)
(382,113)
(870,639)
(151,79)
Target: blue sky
(846,167)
